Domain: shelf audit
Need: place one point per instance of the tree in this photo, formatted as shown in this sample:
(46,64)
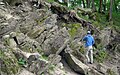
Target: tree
(100,7)
(88,3)
(93,6)
(115,6)
(83,3)
(110,11)
(79,3)
(104,5)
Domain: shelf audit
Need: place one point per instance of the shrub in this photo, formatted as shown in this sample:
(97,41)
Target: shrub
(101,56)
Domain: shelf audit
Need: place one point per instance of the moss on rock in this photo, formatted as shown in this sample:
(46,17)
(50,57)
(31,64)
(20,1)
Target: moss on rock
(10,63)
(73,28)
(35,33)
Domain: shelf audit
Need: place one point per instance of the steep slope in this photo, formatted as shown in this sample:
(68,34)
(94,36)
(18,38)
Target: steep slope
(33,38)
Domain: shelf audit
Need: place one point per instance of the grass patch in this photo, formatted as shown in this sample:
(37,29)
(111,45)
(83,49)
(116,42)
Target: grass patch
(101,56)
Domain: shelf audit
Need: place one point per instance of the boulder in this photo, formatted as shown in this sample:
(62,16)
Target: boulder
(36,32)
(2,66)
(80,67)
(8,26)
(51,21)
(34,61)
(27,55)
(58,9)
(118,67)
(12,2)
(104,69)
(20,38)
(57,58)
(8,62)
(12,43)
(75,64)
(41,38)
(37,65)
(5,13)
(26,44)
(85,10)
(26,26)
(25,72)
(54,40)
(105,36)
(57,70)
(59,39)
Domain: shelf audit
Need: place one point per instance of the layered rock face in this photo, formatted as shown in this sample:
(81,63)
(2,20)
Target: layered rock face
(33,38)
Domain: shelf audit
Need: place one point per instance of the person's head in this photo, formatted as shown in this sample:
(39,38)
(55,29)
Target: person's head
(88,32)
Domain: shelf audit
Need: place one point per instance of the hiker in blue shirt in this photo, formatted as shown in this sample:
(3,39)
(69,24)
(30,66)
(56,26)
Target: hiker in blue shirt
(89,41)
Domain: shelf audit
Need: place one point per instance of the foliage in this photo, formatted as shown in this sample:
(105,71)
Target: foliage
(73,29)
(110,72)
(72,4)
(72,32)
(101,56)
(21,61)
(82,49)
(116,19)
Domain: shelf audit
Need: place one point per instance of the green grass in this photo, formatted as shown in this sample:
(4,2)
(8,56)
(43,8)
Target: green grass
(101,56)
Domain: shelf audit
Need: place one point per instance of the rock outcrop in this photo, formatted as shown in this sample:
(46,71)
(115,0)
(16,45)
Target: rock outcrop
(75,64)
(33,38)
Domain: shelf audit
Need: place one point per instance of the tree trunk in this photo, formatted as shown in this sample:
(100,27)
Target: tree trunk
(104,5)
(93,6)
(110,11)
(115,6)
(100,7)
(83,3)
(88,3)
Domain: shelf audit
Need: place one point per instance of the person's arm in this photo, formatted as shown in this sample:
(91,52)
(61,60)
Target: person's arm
(93,41)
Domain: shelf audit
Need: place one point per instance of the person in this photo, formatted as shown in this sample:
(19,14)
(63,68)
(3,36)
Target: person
(89,41)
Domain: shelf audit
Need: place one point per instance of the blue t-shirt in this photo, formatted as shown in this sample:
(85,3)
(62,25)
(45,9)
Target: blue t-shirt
(89,40)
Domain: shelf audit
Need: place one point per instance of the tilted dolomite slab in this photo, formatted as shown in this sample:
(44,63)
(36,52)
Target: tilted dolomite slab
(75,64)
(25,72)
(80,64)
(27,55)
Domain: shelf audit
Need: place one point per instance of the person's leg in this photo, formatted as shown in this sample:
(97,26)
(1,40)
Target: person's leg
(86,54)
(91,55)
